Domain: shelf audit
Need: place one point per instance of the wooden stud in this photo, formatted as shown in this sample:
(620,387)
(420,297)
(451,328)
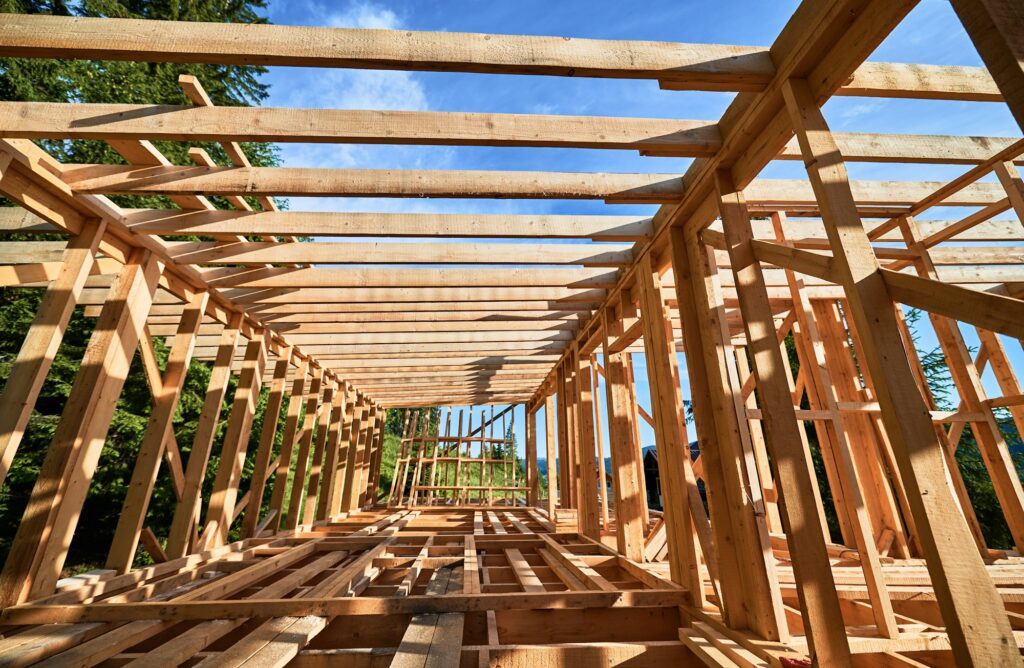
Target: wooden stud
(41,542)
(974,615)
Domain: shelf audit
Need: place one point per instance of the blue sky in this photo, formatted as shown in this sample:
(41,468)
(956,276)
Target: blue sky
(931,34)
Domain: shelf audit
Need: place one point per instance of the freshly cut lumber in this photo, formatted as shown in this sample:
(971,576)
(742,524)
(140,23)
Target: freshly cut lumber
(420,277)
(615,187)
(706,66)
(382,252)
(328,224)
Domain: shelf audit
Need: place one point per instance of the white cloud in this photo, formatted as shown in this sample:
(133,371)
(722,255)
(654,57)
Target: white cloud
(369,90)
(363,15)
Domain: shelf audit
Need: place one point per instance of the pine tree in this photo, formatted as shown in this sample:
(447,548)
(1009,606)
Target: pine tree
(71,81)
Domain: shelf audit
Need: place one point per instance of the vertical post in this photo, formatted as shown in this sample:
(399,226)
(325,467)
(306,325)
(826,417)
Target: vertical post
(344,440)
(602,473)
(261,467)
(236,442)
(350,493)
(811,565)
(564,498)
(41,542)
(372,425)
(670,433)
(187,511)
(634,419)
(378,449)
(629,497)
(324,504)
(587,496)
(967,379)
(158,429)
(549,444)
(43,340)
(288,440)
(304,440)
(532,475)
(323,428)
(975,617)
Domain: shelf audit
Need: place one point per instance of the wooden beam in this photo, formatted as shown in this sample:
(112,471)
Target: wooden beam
(257,253)
(262,464)
(304,439)
(669,432)
(332,224)
(43,339)
(706,67)
(585,453)
(822,615)
(236,442)
(990,311)
(41,542)
(43,120)
(158,430)
(417,277)
(625,453)
(46,120)
(186,513)
(975,618)
(550,447)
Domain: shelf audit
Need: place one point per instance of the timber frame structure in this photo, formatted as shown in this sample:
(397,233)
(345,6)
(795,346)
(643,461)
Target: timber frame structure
(728,268)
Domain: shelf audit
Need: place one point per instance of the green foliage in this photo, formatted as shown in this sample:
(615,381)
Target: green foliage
(387,460)
(117,82)
(427,423)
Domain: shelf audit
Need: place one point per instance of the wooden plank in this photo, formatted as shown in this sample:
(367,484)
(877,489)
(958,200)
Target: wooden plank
(257,253)
(47,120)
(711,67)
(158,430)
(586,455)
(326,505)
(152,545)
(43,120)
(677,484)
(746,563)
(304,439)
(316,471)
(236,441)
(331,224)
(391,298)
(186,513)
(990,311)
(624,451)
(40,545)
(550,461)
(532,472)
(811,565)
(977,626)
(412,277)
(350,491)
(262,465)
(20,392)
(525,575)
(283,181)
(590,578)
(334,607)
(620,188)
(288,440)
